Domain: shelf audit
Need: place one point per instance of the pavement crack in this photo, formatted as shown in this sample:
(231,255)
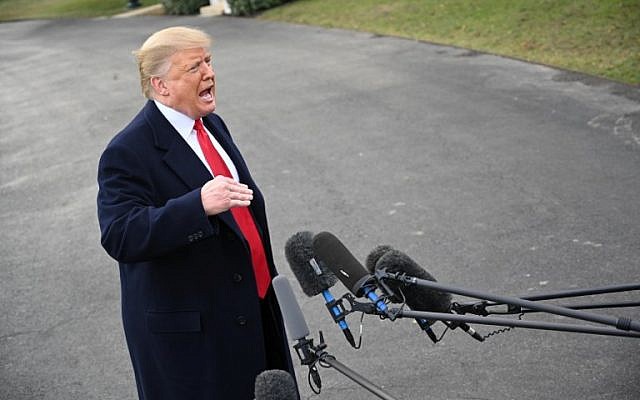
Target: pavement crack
(47,331)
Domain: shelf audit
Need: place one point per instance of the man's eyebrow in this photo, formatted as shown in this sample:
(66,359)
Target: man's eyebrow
(196,62)
(191,64)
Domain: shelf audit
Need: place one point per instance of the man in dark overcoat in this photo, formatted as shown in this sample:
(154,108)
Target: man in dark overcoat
(200,317)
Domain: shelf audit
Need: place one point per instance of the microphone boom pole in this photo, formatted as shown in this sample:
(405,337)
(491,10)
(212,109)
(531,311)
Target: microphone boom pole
(550,326)
(354,376)
(584,292)
(480,308)
(473,307)
(625,324)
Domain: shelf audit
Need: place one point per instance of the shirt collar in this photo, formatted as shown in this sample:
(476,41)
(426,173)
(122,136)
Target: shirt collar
(182,123)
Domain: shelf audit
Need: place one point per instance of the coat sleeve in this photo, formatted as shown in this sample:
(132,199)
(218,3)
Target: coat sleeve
(133,226)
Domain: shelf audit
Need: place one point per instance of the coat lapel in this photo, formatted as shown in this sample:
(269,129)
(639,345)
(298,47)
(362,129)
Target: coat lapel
(180,158)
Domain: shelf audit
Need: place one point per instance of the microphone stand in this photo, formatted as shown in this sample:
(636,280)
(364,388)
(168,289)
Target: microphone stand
(328,361)
(623,323)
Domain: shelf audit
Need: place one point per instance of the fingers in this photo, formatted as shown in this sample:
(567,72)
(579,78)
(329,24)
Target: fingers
(222,193)
(240,188)
(232,189)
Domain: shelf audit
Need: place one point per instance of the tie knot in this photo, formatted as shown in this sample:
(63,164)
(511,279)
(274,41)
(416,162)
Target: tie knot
(197,125)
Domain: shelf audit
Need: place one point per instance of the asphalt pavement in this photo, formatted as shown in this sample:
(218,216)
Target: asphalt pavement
(493,174)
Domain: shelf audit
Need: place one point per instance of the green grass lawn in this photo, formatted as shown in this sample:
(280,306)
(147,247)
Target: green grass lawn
(36,9)
(599,37)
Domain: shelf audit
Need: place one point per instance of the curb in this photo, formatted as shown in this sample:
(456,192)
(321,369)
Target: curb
(157,9)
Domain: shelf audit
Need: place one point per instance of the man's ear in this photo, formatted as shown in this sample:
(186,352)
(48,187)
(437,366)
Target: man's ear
(159,86)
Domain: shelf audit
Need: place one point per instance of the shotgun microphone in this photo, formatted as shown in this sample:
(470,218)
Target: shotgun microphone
(420,298)
(330,251)
(296,325)
(314,278)
(309,354)
(370,263)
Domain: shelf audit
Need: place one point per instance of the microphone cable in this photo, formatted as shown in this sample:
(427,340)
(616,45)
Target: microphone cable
(313,369)
(502,330)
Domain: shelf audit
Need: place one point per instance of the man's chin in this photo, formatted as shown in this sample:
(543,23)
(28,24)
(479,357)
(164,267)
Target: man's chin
(209,108)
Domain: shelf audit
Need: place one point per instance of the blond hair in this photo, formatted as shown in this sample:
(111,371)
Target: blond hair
(154,54)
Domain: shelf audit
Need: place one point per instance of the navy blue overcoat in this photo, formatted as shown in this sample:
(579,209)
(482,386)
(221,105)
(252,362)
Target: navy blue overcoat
(194,325)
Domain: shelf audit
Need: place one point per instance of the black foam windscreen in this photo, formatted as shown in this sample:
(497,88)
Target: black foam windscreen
(299,252)
(418,298)
(374,256)
(275,384)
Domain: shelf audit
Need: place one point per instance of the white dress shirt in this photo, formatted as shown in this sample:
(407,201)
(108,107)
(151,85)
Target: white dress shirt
(184,125)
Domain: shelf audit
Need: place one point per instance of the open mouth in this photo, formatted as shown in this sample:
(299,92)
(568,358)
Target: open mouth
(207,94)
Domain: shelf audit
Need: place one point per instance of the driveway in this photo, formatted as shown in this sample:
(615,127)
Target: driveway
(493,174)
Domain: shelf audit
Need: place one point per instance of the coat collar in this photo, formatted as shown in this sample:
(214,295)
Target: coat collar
(179,156)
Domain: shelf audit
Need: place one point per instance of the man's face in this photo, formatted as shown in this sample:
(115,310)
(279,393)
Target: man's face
(190,83)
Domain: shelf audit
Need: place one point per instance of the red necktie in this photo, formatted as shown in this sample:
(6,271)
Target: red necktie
(242,216)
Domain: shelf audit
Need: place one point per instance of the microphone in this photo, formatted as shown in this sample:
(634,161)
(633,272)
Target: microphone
(370,263)
(374,256)
(308,353)
(330,251)
(275,384)
(420,298)
(314,278)
(296,325)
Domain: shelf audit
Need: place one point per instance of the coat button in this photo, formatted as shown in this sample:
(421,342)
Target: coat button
(241,320)
(237,278)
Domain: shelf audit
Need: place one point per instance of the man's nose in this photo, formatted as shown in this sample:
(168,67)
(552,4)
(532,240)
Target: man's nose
(208,71)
